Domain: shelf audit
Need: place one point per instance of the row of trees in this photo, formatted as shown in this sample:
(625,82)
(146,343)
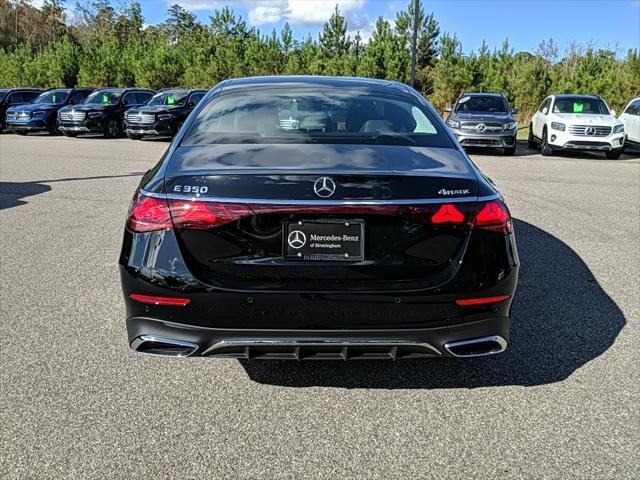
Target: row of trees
(105,45)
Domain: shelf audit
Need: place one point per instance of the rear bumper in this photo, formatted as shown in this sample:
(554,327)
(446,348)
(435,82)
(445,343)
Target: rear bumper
(481,337)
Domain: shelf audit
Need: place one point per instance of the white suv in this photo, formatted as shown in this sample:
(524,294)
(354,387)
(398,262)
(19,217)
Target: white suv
(576,122)
(631,119)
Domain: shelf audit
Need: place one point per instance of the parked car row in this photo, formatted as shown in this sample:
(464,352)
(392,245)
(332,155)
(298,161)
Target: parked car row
(138,112)
(563,122)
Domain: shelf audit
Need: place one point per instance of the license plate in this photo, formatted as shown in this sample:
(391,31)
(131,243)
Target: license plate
(324,240)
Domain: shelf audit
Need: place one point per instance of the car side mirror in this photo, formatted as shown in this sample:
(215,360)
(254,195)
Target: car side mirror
(125,103)
(191,104)
(448,109)
(545,110)
(613,112)
(514,110)
(71,101)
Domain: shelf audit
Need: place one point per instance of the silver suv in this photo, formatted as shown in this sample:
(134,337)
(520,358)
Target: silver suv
(484,120)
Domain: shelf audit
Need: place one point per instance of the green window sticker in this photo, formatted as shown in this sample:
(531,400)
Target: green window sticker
(578,107)
(105,98)
(171,100)
(53,98)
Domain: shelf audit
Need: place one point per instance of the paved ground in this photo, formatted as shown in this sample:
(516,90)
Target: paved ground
(76,402)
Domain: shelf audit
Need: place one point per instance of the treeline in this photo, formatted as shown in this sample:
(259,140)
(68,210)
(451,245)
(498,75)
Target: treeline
(108,45)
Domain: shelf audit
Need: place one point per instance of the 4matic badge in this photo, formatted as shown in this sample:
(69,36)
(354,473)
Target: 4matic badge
(461,191)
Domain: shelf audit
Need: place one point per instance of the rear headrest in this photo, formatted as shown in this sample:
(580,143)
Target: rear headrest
(359,112)
(256,118)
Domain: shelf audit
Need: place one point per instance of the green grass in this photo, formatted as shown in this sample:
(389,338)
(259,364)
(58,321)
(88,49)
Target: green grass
(523,133)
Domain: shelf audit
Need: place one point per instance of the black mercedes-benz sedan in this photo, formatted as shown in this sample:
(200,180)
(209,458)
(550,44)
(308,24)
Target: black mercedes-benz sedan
(163,115)
(317,218)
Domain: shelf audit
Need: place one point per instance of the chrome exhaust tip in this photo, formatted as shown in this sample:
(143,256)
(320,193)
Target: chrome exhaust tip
(477,347)
(163,347)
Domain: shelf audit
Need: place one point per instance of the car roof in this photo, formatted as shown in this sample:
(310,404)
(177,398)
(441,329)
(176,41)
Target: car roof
(22,89)
(314,80)
(573,95)
(484,94)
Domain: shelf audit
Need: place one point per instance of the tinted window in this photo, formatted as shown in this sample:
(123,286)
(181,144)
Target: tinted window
(3,93)
(196,97)
(53,96)
(302,115)
(171,98)
(130,98)
(481,103)
(634,108)
(104,97)
(16,97)
(143,97)
(545,104)
(79,95)
(30,96)
(580,105)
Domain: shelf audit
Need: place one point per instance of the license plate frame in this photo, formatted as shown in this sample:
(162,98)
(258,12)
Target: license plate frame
(323,240)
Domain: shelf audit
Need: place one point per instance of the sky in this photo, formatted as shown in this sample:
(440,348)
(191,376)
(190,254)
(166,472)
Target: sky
(613,24)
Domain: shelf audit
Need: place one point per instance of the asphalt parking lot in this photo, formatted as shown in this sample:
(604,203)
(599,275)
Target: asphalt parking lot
(76,402)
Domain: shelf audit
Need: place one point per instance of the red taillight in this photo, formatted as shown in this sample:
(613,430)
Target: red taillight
(493,216)
(147,214)
(447,213)
(197,215)
(470,302)
(166,301)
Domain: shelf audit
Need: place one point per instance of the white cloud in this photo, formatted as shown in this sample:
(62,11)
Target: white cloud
(269,11)
(193,5)
(305,12)
(296,12)
(360,23)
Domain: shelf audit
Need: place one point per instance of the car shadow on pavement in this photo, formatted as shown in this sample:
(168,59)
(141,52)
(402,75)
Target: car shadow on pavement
(562,319)
(13,193)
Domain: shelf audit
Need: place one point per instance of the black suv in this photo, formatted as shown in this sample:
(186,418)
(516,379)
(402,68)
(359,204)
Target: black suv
(163,115)
(10,97)
(101,112)
(484,120)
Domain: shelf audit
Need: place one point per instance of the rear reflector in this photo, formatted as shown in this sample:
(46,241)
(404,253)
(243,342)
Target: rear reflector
(470,302)
(153,300)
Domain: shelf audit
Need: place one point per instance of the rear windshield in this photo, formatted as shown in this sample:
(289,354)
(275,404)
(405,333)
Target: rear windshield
(318,115)
(104,97)
(53,96)
(580,105)
(175,98)
(482,104)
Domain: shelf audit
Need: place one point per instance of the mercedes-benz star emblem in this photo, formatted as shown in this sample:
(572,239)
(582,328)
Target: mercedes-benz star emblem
(481,127)
(297,239)
(590,131)
(324,187)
